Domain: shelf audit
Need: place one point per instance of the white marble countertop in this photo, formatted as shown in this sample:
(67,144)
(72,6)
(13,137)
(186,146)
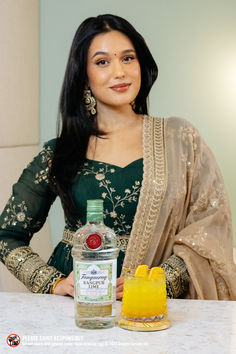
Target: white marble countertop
(45,324)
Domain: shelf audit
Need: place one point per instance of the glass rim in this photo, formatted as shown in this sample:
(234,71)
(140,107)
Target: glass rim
(131,272)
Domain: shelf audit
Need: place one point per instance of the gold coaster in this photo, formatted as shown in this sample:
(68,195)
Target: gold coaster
(144,326)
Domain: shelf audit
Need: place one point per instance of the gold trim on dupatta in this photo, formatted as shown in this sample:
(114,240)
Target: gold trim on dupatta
(152,192)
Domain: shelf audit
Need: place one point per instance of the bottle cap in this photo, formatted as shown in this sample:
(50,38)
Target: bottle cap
(95,205)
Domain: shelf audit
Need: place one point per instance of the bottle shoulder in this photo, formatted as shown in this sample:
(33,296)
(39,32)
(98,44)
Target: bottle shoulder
(96,230)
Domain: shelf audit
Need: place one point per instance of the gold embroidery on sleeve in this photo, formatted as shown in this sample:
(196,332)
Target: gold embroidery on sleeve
(68,237)
(177,277)
(46,158)
(4,250)
(16,214)
(31,270)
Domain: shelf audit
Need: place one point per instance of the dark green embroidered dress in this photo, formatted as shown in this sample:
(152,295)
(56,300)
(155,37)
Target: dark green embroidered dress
(182,209)
(28,207)
(119,188)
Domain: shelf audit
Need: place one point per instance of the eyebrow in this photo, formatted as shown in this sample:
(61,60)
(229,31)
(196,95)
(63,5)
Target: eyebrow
(126,51)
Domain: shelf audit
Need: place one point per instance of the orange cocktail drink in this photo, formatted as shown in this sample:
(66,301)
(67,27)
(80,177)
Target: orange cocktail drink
(144,295)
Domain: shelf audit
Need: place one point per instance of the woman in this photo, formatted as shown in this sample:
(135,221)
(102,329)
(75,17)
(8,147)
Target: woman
(162,190)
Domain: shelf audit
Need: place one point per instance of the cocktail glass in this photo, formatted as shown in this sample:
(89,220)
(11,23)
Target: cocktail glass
(144,304)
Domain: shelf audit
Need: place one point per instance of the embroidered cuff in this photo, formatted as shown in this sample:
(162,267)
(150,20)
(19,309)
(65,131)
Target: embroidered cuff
(177,277)
(31,270)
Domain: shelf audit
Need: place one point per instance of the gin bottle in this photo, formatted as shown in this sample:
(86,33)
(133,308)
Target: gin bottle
(95,263)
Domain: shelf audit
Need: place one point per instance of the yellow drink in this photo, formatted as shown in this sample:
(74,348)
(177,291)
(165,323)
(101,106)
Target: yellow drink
(144,297)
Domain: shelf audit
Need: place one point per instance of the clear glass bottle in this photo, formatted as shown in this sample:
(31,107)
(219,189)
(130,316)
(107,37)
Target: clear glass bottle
(95,264)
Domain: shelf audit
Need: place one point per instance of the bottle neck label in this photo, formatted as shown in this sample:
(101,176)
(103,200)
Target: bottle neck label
(95,282)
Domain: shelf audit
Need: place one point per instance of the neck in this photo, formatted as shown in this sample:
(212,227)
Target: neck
(112,119)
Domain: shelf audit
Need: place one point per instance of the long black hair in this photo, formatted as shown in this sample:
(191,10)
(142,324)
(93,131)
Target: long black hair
(76,127)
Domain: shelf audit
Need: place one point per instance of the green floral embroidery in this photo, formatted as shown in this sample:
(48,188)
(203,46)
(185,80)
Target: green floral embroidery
(109,193)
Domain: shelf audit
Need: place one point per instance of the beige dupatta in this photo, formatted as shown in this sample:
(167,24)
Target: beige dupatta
(183,209)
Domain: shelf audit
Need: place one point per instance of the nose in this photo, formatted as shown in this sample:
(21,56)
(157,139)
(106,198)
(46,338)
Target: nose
(118,70)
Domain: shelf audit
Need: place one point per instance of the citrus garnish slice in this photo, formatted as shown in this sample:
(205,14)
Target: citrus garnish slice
(156,273)
(141,271)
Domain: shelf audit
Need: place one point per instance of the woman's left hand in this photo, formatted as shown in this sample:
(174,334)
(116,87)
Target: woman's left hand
(65,286)
(119,288)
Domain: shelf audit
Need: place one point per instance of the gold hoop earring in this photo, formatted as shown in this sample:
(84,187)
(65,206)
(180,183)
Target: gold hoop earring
(89,102)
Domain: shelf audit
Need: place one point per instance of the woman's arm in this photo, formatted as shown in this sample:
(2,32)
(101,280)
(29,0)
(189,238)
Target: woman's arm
(25,214)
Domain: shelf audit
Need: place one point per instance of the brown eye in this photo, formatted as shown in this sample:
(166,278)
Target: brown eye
(102,62)
(128,58)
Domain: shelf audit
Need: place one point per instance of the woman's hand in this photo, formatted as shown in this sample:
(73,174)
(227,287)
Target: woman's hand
(65,286)
(119,288)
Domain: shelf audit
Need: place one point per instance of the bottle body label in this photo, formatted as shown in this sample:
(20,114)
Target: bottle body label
(95,281)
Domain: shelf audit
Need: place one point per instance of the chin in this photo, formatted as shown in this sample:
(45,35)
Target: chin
(117,101)
(123,102)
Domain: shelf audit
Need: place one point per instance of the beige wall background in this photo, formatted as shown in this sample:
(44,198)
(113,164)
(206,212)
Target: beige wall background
(19,108)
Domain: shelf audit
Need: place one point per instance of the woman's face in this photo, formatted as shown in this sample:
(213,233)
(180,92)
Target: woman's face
(113,70)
